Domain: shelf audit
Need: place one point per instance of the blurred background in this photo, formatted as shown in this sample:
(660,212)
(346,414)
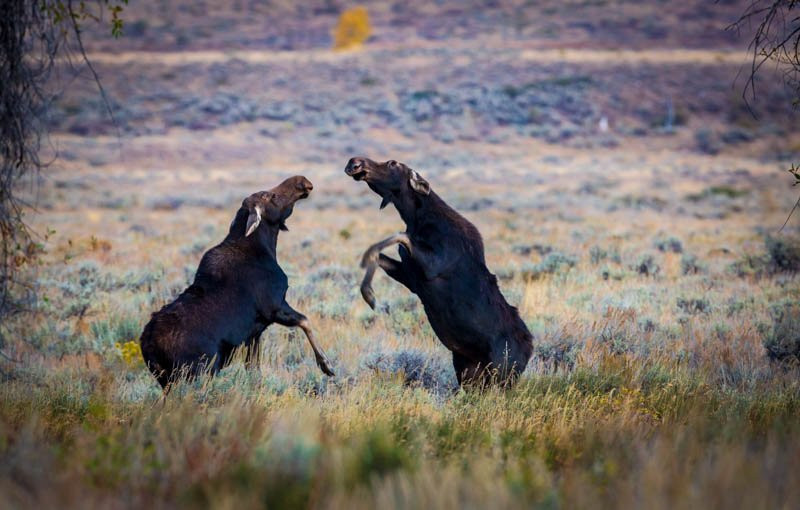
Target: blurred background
(203,91)
(590,141)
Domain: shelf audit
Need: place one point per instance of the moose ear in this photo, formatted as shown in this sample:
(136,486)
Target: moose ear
(419,184)
(253,220)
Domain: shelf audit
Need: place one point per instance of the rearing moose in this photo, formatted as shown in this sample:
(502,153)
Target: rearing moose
(442,261)
(238,291)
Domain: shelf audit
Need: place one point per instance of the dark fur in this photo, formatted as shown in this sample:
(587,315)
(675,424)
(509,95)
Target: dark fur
(239,289)
(447,270)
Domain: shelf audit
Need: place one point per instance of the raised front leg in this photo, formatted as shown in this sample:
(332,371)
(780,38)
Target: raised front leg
(371,255)
(366,285)
(398,271)
(431,263)
(394,268)
(372,259)
(287,316)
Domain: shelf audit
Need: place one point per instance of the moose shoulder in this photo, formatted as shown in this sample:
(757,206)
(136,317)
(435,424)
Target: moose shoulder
(239,289)
(442,261)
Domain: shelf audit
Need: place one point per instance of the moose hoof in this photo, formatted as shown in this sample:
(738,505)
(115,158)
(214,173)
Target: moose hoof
(325,366)
(369,296)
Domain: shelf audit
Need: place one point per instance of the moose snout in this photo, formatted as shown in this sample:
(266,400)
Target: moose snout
(355,168)
(304,186)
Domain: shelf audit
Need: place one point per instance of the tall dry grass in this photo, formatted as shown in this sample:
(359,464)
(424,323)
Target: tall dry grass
(650,385)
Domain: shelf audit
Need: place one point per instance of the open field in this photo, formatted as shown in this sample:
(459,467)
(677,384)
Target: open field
(629,206)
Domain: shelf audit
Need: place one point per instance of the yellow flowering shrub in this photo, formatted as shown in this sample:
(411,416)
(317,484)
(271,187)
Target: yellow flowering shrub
(131,352)
(353,29)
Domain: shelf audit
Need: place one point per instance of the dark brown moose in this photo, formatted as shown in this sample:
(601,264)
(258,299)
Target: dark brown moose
(238,290)
(442,261)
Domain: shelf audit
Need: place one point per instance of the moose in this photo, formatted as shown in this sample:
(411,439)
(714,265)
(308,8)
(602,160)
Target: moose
(239,289)
(442,261)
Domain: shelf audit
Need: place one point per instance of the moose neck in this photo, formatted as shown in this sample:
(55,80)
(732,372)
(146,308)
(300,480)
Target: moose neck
(265,238)
(413,207)
(238,225)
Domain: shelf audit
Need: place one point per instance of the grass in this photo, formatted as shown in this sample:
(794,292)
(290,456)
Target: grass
(638,395)
(664,372)
(612,432)
(650,385)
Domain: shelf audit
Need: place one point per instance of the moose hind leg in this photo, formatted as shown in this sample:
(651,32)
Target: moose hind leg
(162,375)
(469,372)
(253,352)
(223,358)
(287,316)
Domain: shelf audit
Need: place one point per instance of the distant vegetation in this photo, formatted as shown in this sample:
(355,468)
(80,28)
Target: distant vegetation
(353,29)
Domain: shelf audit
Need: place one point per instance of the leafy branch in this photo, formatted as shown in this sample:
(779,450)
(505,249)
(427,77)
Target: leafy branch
(777,40)
(795,171)
(34,35)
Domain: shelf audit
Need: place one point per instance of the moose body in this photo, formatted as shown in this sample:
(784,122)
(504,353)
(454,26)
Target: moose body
(442,261)
(239,289)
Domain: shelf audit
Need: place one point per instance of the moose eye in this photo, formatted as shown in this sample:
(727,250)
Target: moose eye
(392,163)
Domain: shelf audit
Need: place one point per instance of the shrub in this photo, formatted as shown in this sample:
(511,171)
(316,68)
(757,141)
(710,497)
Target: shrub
(367,318)
(560,351)
(337,274)
(416,368)
(706,142)
(646,265)
(597,254)
(646,325)
(353,29)
(737,135)
(784,253)
(613,274)
(505,273)
(555,262)
(641,202)
(694,305)
(618,331)
(136,29)
(672,244)
(782,341)
(402,315)
(735,305)
(690,264)
(717,191)
(751,265)
(131,352)
(526,249)
(115,330)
